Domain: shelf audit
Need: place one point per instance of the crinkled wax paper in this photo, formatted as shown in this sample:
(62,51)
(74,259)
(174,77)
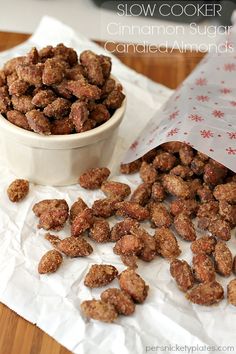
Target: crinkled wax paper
(53,302)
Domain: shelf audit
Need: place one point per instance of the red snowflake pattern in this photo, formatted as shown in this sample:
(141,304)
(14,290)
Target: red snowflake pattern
(230,67)
(196,118)
(231,151)
(202,98)
(217,113)
(233,103)
(206,134)
(225,90)
(232,135)
(173,115)
(134,145)
(173,132)
(201,81)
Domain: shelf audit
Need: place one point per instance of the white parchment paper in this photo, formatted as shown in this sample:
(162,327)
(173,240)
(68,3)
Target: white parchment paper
(166,322)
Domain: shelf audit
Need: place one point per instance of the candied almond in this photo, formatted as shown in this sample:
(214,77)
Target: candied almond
(176,186)
(187,206)
(220,228)
(38,122)
(158,192)
(129,260)
(82,222)
(214,173)
(50,262)
(99,310)
(148,251)
(141,194)
(18,118)
(164,161)
(18,190)
(228,212)
(204,244)
(182,273)
(100,231)
(132,210)
(128,245)
(134,285)
(223,259)
(186,154)
(203,268)
(206,294)
(226,192)
(184,227)
(75,247)
(104,208)
(231,292)
(234,265)
(77,208)
(131,167)
(159,215)
(100,275)
(122,302)
(123,228)
(148,172)
(94,177)
(116,190)
(166,243)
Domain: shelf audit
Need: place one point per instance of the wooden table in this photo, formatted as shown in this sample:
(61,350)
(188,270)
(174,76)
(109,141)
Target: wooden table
(170,69)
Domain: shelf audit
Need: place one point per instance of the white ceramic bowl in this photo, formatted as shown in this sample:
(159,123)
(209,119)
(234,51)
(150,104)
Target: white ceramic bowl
(58,160)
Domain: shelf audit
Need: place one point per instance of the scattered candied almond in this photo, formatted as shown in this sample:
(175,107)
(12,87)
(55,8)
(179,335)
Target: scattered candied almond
(128,245)
(206,294)
(204,244)
(223,259)
(182,273)
(176,186)
(231,292)
(104,208)
(166,243)
(184,227)
(159,215)
(203,268)
(131,167)
(75,247)
(116,190)
(122,302)
(82,222)
(148,251)
(100,231)
(50,262)
(132,210)
(77,208)
(99,310)
(94,177)
(226,192)
(18,190)
(100,275)
(148,172)
(134,285)
(142,194)
(123,228)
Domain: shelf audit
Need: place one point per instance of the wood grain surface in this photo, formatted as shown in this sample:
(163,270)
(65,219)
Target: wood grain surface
(17,336)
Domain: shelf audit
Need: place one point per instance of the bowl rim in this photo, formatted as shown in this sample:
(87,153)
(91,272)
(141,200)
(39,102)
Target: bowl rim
(73,140)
